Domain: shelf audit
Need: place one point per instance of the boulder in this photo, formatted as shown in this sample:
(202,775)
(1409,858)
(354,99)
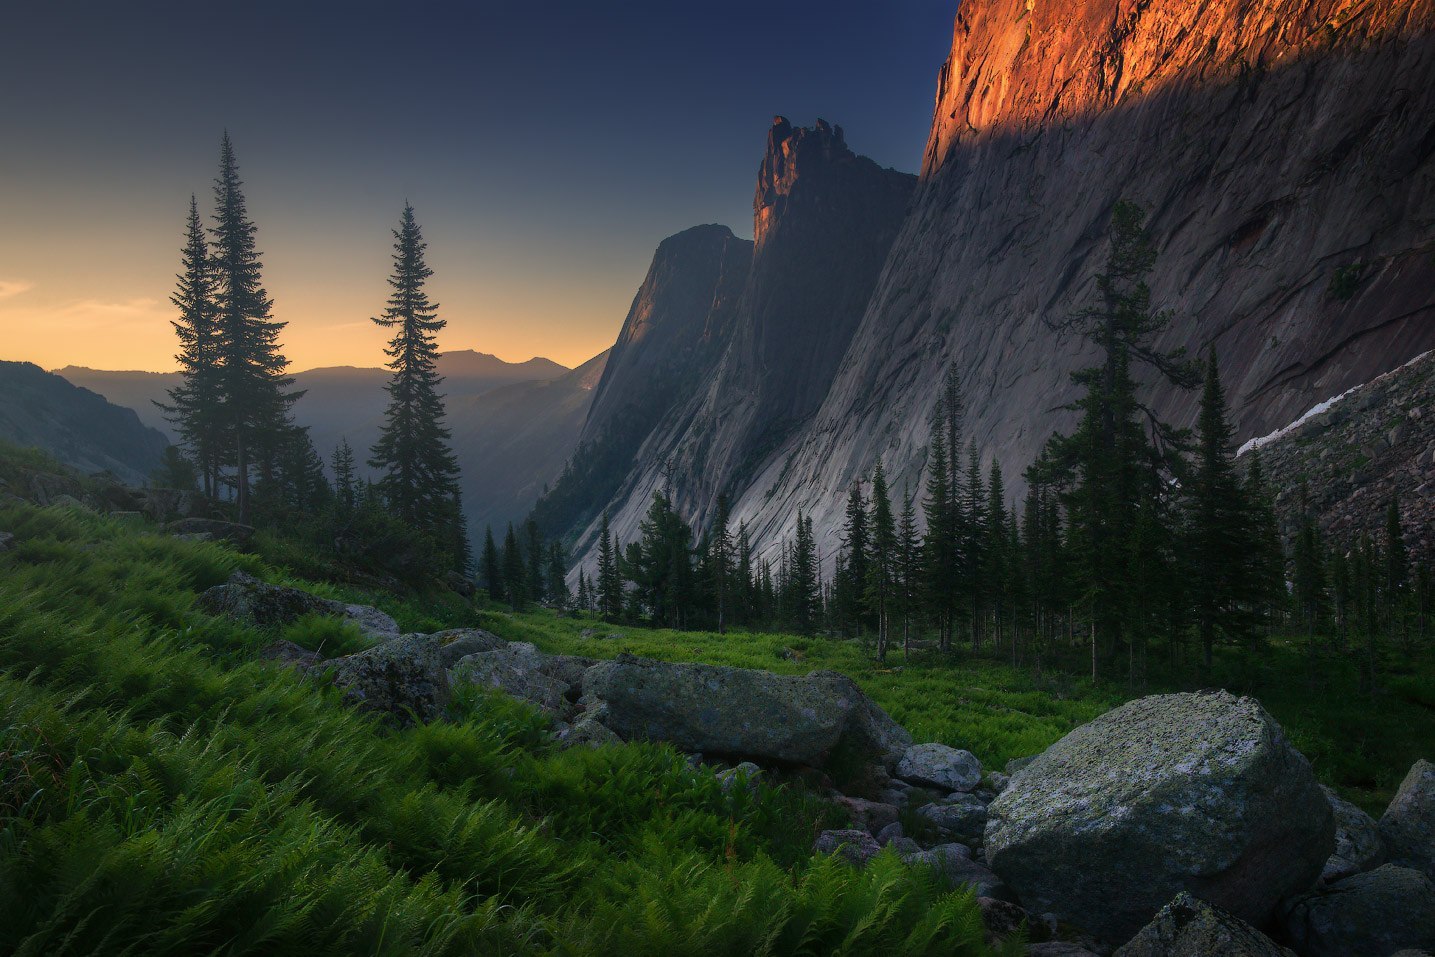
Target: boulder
(1378,912)
(960,817)
(855,847)
(1059,948)
(457,643)
(403,679)
(288,653)
(955,865)
(1358,846)
(1188,927)
(820,719)
(892,832)
(939,766)
(246,599)
(1408,824)
(1183,792)
(516,670)
(588,731)
(871,816)
(1000,918)
(7,541)
(213,527)
(161,504)
(747,774)
(461,584)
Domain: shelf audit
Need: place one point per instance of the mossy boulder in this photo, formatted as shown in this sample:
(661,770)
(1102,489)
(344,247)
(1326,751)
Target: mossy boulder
(404,680)
(1170,793)
(250,601)
(1189,927)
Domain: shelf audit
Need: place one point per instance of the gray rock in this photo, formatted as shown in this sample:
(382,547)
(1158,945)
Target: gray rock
(1408,824)
(1189,927)
(997,781)
(213,527)
(746,773)
(939,766)
(193,537)
(855,847)
(817,720)
(1059,948)
(890,833)
(1378,912)
(1000,918)
(1016,764)
(457,643)
(590,731)
(288,653)
(161,504)
(871,816)
(897,797)
(127,516)
(402,679)
(961,817)
(1196,792)
(7,541)
(246,599)
(1358,846)
(954,863)
(515,670)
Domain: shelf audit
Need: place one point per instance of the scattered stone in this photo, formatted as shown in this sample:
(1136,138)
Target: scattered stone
(1378,912)
(855,847)
(997,782)
(193,537)
(288,653)
(457,643)
(745,773)
(812,719)
(904,846)
(587,633)
(68,501)
(1189,927)
(1408,824)
(461,584)
(954,863)
(960,817)
(1000,918)
(248,600)
(898,797)
(939,766)
(7,541)
(402,679)
(213,527)
(890,833)
(374,624)
(871,816)
(1059,948)
(1358,846)
(588,731)
(1198,792)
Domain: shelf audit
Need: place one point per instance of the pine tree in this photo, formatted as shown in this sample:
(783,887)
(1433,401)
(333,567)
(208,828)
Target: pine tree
(420,472)
(492,566)
(720,563)
(971,549)
(993,568)
(251,381)
(585,598)
(534,558)
(194,405)
(345,481)
(939,558)
(610,585)
(515,574)
(850,586)
(746,610)
(806,601)
(882,567)
(557,576)
(909,567)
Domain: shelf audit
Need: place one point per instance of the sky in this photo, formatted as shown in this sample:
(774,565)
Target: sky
(546,147)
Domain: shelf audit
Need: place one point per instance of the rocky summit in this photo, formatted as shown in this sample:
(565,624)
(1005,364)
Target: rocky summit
(1185,792)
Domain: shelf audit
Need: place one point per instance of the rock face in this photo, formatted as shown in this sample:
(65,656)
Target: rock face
(1285,151)
(813,720)
(940,767)
(1379,912)
(246,599)
(403,679)
(1171,793)
(1188,927)
(1408,824)
(1358,845)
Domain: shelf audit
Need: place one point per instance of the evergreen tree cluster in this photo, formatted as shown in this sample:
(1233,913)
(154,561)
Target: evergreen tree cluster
(233,406)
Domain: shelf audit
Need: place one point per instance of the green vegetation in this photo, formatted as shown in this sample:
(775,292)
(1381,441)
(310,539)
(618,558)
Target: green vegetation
(166,792)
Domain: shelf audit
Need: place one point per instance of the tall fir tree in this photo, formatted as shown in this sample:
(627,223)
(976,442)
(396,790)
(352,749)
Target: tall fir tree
(194,405)
(515,573)
(346,487)
(253,386)
(420,471)
(557,576)
(610,583)
(720,563)
(849,588)
(492,566)
(939,546)
(909,568)
(882,564)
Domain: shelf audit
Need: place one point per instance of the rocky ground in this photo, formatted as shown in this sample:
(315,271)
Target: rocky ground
(1175,824)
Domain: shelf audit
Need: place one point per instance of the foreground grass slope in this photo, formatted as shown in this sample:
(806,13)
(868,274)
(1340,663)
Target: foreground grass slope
(1363,745)
(163,791)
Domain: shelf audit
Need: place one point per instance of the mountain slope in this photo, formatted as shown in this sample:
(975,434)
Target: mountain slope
(1285,150)
(75,425)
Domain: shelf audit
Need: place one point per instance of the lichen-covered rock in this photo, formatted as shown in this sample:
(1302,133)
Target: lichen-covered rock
(288,653)
(403,679)
(747,774)
(457,643)
(960,817)
(516,670)
(1378,912)
(1408,824)
(1194,792)
(246,599)
(855,847)
(872,816)
(1189,927)
(955,865)
(940,766)
(1358,845)
(815,719)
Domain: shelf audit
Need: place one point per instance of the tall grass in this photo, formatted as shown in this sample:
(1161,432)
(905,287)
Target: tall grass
(163,791)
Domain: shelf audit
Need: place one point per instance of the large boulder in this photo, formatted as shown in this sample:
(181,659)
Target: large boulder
(855,847)
(1408,824)
(954,865)
(1170,793)
(1376,913)
(458,643)
(1358,846)
(248,600)
(940,766)
(959,817)
(403,679)
(1189,927)
(516,670)
(820,719)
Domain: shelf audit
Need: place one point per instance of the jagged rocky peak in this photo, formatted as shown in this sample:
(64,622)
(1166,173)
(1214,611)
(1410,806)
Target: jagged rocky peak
(792,151)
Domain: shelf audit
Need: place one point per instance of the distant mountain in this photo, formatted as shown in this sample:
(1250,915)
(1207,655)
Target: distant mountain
(75,425)
(526,415)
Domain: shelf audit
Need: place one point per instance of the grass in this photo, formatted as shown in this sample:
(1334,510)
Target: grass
(163,791)
(1359,744)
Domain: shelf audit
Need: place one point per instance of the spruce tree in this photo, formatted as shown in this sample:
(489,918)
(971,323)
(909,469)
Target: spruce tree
(746,587)
(806,600)
(939,558)
(557,577)
(194,405)
(610,585)
(720,562)
(252,382)
(515,573)
(492,566)
(346,487)
(850,586)
(420,472)
(909,567)
(882,566)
